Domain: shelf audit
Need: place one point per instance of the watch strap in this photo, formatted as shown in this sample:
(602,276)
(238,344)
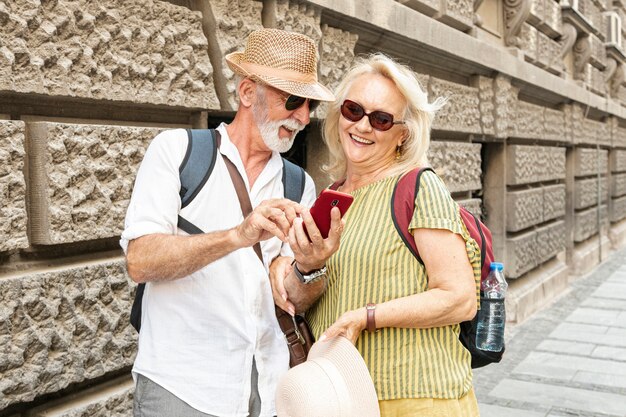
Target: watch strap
(371,317)
(311,276)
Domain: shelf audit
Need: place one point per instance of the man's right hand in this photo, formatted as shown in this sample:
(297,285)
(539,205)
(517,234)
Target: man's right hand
(268,219)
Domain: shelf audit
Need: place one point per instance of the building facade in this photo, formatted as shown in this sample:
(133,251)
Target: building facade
(533,139)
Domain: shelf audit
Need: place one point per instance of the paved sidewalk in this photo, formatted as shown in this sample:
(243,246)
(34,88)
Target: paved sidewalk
(567,360)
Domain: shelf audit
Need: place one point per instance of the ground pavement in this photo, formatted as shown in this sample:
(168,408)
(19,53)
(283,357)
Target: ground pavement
(568,359)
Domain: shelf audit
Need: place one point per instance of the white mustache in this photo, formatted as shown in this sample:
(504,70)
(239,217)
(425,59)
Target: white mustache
(292,124)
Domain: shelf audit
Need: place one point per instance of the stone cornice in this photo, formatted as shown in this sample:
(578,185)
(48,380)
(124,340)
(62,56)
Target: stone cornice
(385,22)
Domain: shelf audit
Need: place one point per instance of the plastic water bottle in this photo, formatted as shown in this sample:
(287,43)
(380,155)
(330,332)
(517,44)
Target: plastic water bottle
(492,316)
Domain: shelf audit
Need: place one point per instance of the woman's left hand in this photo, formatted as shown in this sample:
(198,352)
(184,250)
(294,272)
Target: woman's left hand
(349,325)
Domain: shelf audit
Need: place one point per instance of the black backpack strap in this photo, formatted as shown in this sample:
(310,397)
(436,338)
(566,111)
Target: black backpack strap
(293,181)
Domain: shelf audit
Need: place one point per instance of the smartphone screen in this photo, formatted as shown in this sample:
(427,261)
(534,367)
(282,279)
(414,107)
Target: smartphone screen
(324,203)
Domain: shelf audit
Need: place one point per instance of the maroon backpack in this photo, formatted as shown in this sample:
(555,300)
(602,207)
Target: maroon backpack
(402,208)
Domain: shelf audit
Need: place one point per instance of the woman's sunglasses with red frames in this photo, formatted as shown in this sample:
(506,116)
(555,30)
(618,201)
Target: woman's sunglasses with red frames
(379,120)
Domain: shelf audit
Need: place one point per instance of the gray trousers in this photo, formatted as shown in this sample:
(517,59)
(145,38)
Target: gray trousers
(152,400)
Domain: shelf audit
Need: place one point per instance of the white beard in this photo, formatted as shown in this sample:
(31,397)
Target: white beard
(269,129)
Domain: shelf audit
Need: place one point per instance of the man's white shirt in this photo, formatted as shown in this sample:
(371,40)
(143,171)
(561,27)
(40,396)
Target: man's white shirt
(200,333)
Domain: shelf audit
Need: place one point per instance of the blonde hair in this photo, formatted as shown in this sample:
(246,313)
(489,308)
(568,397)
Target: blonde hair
(418,114)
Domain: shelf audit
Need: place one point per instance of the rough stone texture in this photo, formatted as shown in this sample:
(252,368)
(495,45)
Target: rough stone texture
(587,162)
(298,16)
(461,113)
(139,51)
(618,211)
(548,51)
(552,17)
(618,161)
(521,254)
(586,194)
(553,202)
(586,223)
(594,132)
(598,52)
(12,186)
(234,20)
(550,241)
(458,164)
(554,126)
(619,138)
(82,178)
(114,401)
(458,13)
(597,81)
(505,105)
(62,327)
(486,97)
(528,37)
(529,121)
(336,56)
(593,13)
(618,185)
(436,155)
(528,164)
(524,209)
(473,205)
(575,118)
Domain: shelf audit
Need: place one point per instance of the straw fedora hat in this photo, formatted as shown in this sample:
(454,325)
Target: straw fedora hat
(284,60)
(333,382)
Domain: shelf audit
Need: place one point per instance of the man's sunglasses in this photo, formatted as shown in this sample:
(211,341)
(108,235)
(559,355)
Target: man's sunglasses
(295,102)
(379,120)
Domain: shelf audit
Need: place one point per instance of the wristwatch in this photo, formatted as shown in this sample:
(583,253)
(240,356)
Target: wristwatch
(312,276)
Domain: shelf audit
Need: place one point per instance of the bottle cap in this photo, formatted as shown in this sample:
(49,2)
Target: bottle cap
(497,266)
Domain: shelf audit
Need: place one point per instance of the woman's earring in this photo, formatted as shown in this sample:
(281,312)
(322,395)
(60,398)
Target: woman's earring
(398,152)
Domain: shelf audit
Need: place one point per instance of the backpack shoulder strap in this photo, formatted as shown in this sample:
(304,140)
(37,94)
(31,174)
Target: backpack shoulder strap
(403,206)
(194,172)
(198,163)
(293,181)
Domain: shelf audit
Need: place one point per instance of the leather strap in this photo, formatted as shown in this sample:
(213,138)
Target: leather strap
(371,317)
(242,192)
(287,323)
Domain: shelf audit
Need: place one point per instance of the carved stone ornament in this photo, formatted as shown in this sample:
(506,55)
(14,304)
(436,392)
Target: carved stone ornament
(568,38)
(582,54)
(614,76)
(478,21)
(515,14)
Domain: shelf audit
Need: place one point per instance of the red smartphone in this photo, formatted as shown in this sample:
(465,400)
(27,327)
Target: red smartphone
(324,203)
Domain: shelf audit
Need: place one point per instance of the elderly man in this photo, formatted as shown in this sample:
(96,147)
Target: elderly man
(209,342)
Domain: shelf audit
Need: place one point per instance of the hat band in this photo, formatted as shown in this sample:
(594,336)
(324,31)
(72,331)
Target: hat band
(285,74)
(338,382)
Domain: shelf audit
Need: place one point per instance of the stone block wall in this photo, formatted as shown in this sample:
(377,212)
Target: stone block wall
(618,187)
(12,186)
(535,206)
(63,326)
(528,128)
(591,189)
(144,52)
(81,179)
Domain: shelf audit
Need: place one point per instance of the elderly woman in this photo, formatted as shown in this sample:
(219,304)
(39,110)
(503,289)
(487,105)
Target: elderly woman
(377,131)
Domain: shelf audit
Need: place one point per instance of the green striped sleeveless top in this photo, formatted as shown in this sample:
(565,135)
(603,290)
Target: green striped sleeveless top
(373,265)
